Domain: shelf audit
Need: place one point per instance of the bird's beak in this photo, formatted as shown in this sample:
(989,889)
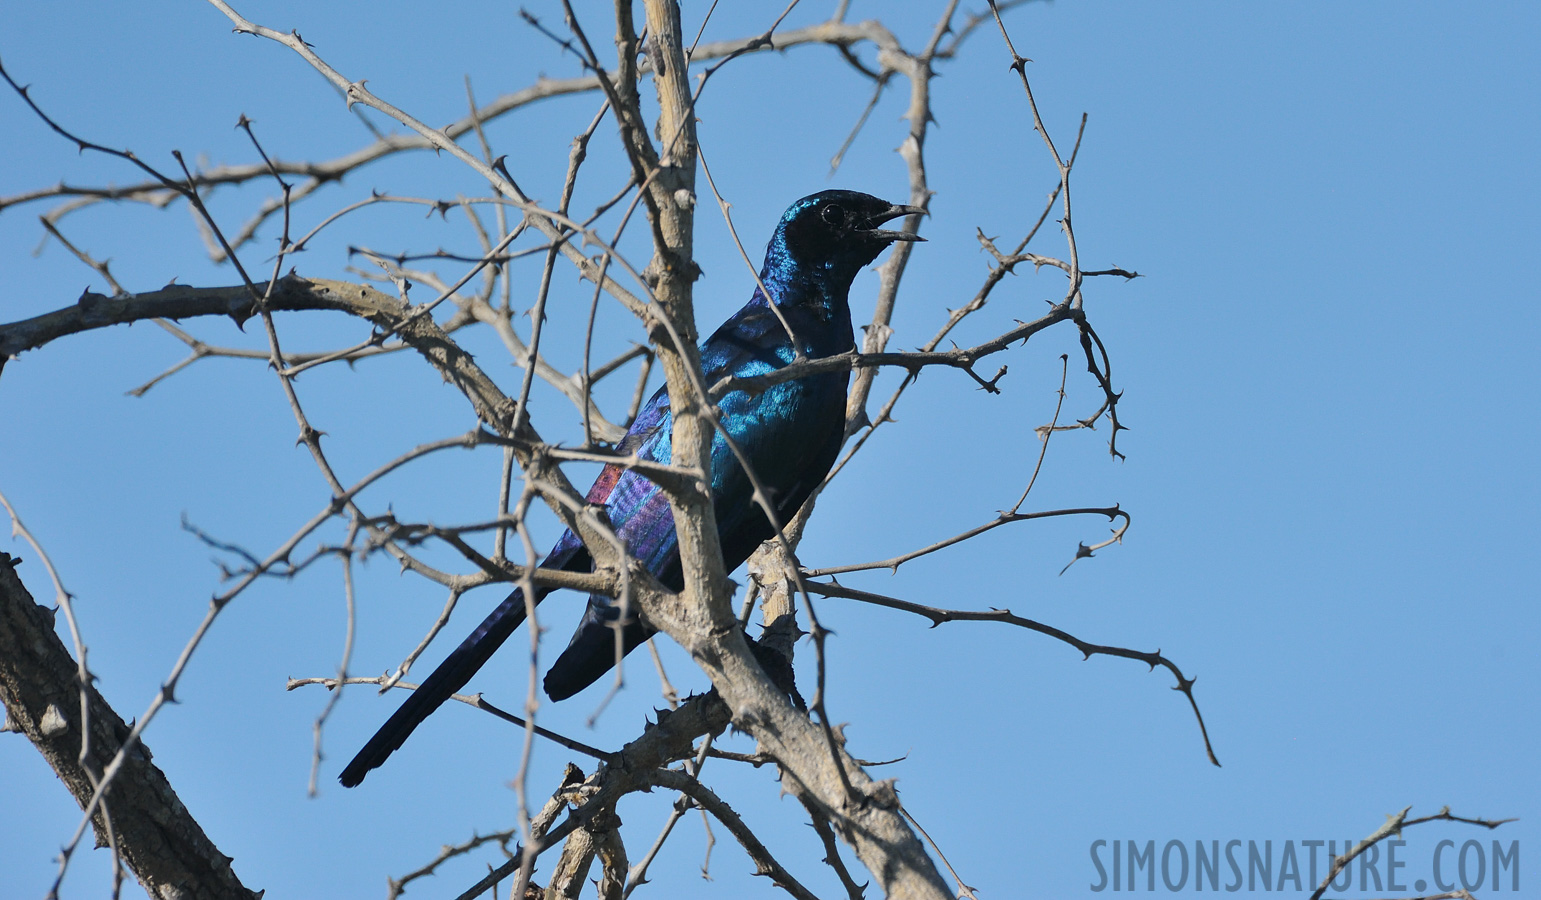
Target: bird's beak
(894,212)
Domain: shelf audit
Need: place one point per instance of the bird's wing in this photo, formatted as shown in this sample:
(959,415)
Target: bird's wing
(782,433)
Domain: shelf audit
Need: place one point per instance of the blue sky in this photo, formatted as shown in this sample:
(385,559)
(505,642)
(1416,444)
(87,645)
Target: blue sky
(1328,368)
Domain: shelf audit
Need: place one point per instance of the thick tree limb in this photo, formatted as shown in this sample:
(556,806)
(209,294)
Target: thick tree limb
(158,838)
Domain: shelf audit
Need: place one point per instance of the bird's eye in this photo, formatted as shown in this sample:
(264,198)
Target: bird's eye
(834,215)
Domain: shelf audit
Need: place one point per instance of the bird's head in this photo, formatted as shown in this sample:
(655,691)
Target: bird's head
(838,231)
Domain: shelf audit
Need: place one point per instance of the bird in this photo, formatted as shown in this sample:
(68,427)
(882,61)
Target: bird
(790,434)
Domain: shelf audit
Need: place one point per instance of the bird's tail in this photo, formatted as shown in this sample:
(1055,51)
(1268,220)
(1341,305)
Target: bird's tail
(592,650)
(449,677)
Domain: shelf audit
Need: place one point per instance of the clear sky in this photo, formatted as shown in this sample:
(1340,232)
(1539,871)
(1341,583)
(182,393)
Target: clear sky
(1328,370)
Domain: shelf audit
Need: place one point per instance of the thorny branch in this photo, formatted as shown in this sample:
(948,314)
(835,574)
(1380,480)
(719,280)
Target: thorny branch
(939,616)
(1005,518)
(1393,828)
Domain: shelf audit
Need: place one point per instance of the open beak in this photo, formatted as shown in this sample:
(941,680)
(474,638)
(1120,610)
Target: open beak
(893,212)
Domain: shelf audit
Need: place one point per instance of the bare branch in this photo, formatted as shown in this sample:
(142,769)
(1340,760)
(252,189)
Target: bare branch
(1006,616)
(1005,518)
(1393,827)
(765,864)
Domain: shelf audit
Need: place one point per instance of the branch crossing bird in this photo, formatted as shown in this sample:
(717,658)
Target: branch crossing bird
(790,434)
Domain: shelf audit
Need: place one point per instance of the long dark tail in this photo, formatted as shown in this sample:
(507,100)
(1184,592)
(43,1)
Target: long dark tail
(449,677)
(592,651)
